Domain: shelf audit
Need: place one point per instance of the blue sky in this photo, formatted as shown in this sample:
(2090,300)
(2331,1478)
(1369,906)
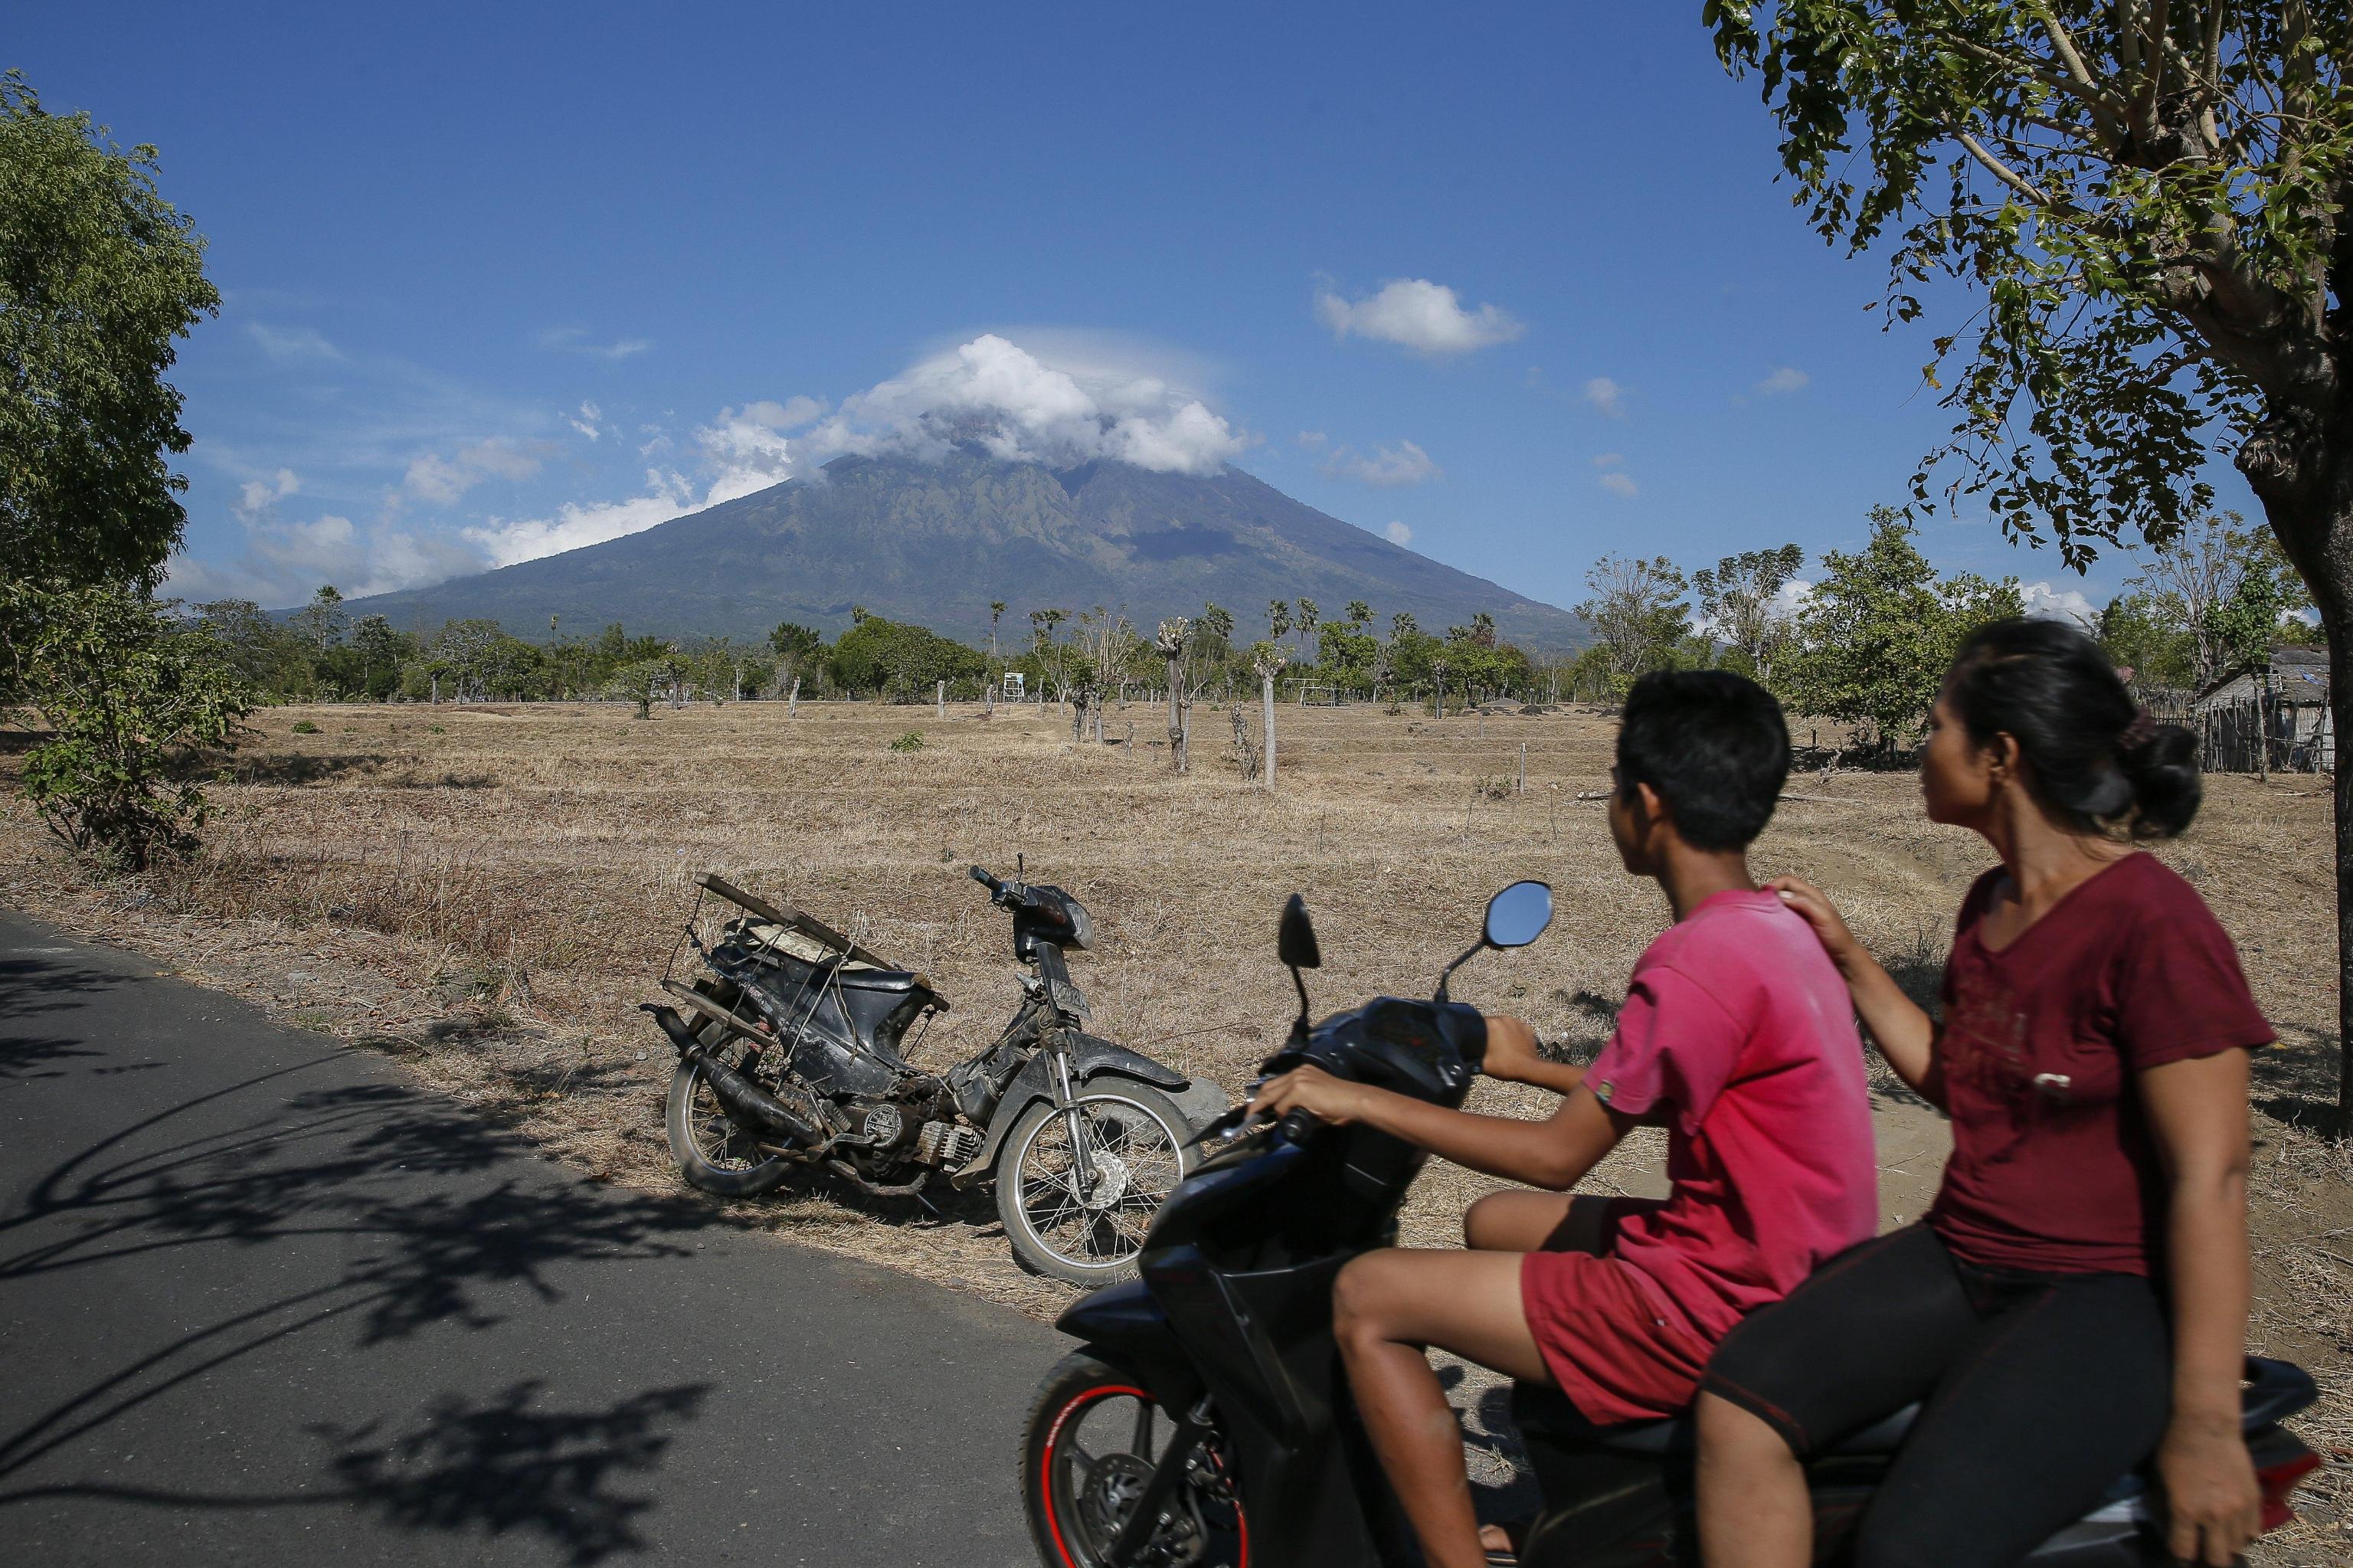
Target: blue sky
(1514,284)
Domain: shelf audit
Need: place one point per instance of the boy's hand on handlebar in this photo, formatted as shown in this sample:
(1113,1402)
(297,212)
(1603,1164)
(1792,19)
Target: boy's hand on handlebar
(1512,1053)
(1312,1089)
(1820,913)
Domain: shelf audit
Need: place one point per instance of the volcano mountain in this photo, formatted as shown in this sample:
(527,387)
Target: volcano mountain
(932,542)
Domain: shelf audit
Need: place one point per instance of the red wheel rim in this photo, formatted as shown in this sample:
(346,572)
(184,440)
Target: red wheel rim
(1046,1465)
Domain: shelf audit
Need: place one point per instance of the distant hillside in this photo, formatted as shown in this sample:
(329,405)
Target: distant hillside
(934,542)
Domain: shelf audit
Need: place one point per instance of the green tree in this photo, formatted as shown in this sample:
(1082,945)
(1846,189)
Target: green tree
(643,681)
(1308,618)
(320,624)
(1360,614)
(2152,201)
(1637,613)
(1740,600)
(262,652)
(100,278)
(1879,630)
(2143,638)
(131,696)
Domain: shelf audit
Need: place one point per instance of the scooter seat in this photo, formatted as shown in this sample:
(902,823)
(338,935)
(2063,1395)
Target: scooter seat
(1548,1416)
(879,980)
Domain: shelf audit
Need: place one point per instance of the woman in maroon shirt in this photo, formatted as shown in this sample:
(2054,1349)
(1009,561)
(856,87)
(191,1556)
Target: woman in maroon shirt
(2077,1298)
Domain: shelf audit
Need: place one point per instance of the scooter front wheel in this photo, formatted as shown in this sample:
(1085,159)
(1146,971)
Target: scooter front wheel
(1078,1185)
(1093,1440)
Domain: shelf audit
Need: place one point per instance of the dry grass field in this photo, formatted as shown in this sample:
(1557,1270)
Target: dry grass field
(488,893)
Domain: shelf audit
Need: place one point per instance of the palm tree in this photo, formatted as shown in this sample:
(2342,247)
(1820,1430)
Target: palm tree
(1278,620)
(1359,612)
(995,609)
(1308,618)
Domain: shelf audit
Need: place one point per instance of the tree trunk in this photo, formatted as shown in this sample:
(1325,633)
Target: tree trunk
(1176,718)
(793,702)
(1266,694)
(2341,711)
(2305,476)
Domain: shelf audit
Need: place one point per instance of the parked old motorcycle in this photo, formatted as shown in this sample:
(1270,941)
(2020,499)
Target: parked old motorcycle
(1207,1419)
(792,1061)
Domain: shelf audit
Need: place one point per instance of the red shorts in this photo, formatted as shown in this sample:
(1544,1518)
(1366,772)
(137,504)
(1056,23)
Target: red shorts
(1605,1334)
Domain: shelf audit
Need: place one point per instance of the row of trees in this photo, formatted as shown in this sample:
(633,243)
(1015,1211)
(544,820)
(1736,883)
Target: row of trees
(1867,640)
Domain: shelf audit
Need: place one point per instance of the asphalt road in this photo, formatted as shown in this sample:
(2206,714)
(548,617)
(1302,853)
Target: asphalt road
(264,1301)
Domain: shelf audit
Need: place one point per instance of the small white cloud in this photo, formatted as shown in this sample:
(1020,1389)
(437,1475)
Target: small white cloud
(443,479)
(1783,381)
(590,411)
(1416,313)
(588,430)
(1607,397)
(288,346)
(1399,533)
(587,423)
(1609,459)
(1404,463)
(433,479)
(574,340)
(256,496)
(1617,484)
(1311,437)
(2057,604)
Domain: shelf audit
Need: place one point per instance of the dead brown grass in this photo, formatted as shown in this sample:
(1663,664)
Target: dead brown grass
(488,892)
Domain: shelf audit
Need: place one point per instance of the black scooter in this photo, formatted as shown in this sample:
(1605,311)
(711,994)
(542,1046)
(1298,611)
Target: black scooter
(1207,1419)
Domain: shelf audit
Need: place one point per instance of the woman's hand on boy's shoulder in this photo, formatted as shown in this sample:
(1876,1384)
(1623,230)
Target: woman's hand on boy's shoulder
(1815,908)
(1328,1100)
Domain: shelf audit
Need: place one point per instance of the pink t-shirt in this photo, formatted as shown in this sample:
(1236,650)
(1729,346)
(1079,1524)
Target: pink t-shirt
(1739,1023)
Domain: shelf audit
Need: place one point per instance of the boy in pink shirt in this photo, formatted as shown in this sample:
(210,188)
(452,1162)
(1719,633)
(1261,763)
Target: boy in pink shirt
(1736,1035)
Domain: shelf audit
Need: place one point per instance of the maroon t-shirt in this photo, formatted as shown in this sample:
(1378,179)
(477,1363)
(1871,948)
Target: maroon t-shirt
(2053,1165)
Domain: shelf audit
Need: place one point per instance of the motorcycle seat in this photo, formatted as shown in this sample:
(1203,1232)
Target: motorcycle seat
(1547,1414)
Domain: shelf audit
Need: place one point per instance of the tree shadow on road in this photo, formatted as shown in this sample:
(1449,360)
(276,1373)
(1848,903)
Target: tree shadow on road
(270,1162)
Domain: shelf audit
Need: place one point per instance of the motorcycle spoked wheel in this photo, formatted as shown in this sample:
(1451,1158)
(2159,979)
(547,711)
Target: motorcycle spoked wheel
(714,1154)
(1136,1141)
(1087,1451)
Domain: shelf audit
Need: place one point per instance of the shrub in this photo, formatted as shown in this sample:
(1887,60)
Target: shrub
(131,698)
(911,741)
(304,727)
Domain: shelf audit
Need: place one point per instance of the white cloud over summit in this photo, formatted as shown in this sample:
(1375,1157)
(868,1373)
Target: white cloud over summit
(1416,313)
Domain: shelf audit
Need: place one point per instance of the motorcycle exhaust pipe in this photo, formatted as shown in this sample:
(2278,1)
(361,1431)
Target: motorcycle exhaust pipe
(744,1099)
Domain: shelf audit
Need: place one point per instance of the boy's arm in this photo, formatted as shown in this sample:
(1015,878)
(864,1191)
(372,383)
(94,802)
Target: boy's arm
(1554,1154)
(1513,1058)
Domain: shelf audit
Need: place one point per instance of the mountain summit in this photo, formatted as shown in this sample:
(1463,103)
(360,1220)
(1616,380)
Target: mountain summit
(932,542)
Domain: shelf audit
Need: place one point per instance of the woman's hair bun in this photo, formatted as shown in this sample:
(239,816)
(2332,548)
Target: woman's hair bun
(2161,765)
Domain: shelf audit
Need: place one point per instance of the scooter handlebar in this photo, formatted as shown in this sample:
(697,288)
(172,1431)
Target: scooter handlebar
(988,881)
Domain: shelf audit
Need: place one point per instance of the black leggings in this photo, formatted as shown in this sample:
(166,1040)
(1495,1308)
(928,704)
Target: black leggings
(2041,1390)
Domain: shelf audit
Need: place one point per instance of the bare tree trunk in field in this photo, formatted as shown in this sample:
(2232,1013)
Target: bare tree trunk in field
(793,700)
(1266,694)
(939,695)
(1170,645)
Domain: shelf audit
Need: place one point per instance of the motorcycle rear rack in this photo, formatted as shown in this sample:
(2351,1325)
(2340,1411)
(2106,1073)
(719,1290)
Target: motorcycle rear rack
(807,925)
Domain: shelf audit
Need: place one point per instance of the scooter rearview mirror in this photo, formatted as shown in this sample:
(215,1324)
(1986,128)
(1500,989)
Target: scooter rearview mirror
(1518,915)
(1295,939)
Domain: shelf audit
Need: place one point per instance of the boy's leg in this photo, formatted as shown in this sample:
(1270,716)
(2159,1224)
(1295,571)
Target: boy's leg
(1388,1309)
(1547,1222)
